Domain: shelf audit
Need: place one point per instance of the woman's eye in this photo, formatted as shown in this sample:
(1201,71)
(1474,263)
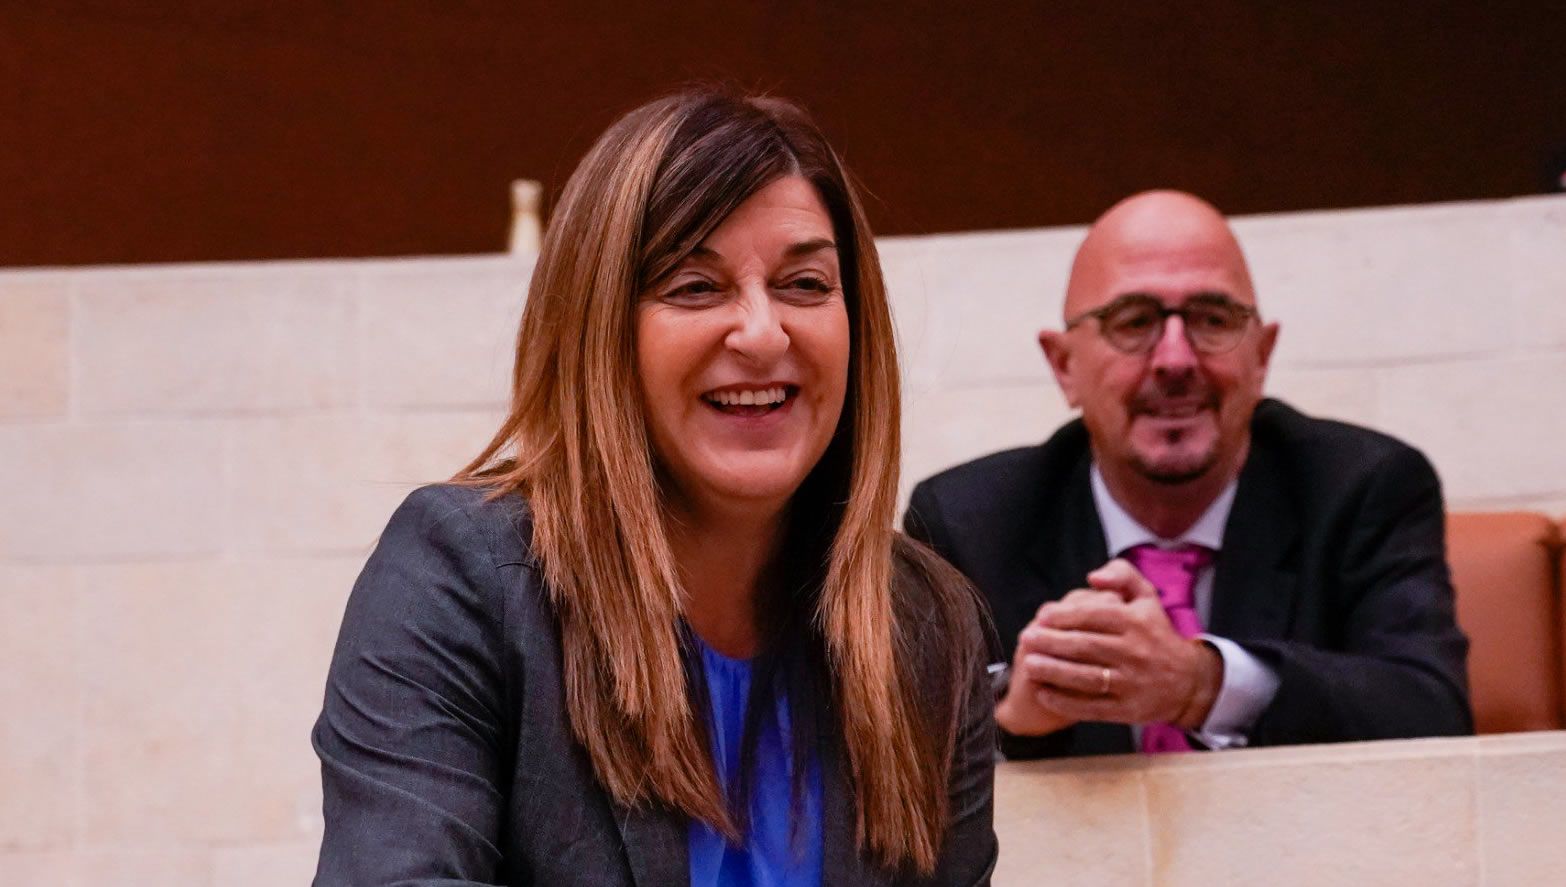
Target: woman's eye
(692,291)
(810,287)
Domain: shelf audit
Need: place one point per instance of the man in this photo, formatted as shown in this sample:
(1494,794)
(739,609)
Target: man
(1275,578)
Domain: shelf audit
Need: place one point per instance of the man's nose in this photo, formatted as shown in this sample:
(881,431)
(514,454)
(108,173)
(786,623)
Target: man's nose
(1173,354)
(758,334)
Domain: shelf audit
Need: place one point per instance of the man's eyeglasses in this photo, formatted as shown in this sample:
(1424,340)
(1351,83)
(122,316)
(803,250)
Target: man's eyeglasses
(1134,323)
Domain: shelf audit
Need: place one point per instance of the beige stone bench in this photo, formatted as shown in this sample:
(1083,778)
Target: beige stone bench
(1429,812)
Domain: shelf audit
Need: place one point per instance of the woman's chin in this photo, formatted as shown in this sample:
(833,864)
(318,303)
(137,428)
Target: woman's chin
(752,484)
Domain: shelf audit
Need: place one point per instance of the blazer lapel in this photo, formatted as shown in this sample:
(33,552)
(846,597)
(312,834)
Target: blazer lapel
(655,844)
(1069,542)
(1254,587)
(841,861)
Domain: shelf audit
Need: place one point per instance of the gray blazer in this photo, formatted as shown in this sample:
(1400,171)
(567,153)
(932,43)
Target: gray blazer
(446,754)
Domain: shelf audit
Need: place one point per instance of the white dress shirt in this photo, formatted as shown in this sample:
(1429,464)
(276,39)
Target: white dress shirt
(1248,685)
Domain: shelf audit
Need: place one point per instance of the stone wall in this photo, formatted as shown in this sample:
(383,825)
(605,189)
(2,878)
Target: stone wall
(194,461)
(1444,325)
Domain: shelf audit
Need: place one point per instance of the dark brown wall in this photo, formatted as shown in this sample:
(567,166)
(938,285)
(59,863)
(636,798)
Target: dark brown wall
(159,131)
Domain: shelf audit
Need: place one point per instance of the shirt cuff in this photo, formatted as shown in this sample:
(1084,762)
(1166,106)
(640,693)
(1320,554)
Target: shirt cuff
(1247,689)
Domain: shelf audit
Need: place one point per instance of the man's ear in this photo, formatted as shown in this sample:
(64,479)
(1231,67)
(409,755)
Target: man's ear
(1057,351)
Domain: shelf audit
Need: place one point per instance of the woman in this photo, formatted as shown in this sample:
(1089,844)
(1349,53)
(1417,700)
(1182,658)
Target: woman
(661,630)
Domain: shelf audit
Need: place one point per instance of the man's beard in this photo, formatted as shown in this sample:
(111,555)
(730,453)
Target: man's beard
(1184,470)
(1179,474)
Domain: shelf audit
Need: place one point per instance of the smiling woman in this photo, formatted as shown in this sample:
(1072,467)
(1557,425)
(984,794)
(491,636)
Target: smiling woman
(743,357)
(661,630)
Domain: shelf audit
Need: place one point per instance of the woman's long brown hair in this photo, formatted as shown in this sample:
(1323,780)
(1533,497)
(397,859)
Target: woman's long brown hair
(575,444)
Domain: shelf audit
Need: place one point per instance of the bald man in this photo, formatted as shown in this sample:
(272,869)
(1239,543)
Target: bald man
(1189,565)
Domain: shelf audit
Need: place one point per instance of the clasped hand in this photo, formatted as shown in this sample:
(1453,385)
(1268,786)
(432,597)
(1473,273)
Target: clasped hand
(1108,653)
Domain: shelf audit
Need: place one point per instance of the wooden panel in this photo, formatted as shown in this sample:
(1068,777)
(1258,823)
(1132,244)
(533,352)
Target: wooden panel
(175,131)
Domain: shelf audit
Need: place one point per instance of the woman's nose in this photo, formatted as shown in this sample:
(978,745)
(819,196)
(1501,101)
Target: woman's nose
(758,333)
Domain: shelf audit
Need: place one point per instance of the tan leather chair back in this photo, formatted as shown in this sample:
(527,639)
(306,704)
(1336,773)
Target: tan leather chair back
(1560,602)
(1504,567)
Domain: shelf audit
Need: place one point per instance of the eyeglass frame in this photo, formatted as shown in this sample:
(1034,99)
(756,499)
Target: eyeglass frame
(1247,313)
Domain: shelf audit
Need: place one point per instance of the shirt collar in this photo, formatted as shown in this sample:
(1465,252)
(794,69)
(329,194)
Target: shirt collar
(1121,530)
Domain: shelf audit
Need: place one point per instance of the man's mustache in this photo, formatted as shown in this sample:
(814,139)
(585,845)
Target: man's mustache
(1174,398)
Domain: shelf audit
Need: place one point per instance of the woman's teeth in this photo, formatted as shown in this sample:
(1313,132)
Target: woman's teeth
(760,397)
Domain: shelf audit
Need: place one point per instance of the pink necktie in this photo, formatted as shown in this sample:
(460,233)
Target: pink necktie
(1173,572)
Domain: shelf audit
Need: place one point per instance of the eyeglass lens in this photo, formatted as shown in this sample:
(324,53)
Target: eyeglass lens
(1135,324)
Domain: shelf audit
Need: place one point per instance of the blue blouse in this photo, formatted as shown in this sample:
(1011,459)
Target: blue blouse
(774,853)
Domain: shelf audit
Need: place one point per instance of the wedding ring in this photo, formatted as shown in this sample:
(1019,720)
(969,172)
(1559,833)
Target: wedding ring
(1103,688)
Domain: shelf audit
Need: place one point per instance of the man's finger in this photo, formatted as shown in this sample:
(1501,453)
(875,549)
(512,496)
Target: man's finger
(1081,596)
(1109,618)
(1123,579)
(1081,707)
(1086,647)
(1060,674)
(1075,596)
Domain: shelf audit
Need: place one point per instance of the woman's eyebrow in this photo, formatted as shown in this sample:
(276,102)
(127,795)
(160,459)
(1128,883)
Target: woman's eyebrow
(806,247)
(793,251)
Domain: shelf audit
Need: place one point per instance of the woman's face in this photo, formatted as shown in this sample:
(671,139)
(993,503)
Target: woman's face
(742,354)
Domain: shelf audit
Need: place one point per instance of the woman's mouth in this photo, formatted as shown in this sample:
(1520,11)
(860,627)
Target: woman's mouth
(750,401)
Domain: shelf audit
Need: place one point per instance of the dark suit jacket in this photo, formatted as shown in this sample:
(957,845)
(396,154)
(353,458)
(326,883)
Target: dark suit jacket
(446,754)
(1332,572)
